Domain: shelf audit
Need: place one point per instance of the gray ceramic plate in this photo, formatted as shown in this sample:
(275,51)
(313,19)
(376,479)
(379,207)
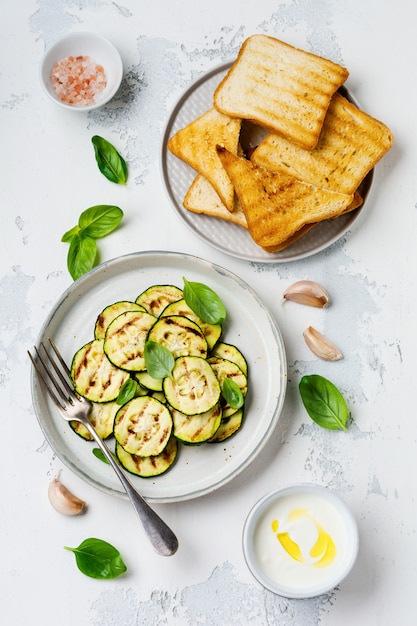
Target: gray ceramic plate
(224,236)
(198,469)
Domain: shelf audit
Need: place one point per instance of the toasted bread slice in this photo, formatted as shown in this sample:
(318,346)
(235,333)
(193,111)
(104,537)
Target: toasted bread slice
(281,88)
(291,239)
(196,145)
(351,143)
(276,205)
(202,198)
(355,204)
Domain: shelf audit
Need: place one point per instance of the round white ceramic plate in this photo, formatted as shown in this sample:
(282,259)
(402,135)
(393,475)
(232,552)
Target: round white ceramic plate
(224,236)
(201,469)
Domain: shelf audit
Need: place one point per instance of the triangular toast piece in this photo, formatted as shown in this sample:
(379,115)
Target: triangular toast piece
(281,88)
(277,206)
(356,203)
(350,144)
(202,198)
(196,145)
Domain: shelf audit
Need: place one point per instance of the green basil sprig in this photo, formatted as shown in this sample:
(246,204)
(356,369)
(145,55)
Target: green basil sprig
(110,163)
(127,392)
(159,361)
(98,559)
(323,402)
(93,223)
(232,393)
(205,302)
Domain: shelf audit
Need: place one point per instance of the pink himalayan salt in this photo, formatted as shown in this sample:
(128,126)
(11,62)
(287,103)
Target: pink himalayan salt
(78,80)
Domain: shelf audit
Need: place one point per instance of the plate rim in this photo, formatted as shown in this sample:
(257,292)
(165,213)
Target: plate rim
(283,256)
(48,426)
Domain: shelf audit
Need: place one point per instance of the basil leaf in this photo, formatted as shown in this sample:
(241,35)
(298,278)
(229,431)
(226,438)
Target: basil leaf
(232,393)
(323,402)
(98,221)
(98,559)
(159,361)
(110,163)
(99,454)
(204,302)
(70,234)
(127,392)
(82,255)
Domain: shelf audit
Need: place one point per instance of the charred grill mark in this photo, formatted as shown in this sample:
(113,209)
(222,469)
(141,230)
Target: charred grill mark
(164,434)
(137,461)
(237,378)
(83,365)
(131,322)
(166,454)
(127,362)
(106,383)
(183,325)
(100,321)
(194,331)
(198,432)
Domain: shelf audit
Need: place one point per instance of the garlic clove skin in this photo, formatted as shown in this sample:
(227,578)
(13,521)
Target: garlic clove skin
(307,292)
(63,500)
(321,346)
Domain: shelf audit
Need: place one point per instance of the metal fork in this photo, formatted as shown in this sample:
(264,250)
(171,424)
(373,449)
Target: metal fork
(73,407)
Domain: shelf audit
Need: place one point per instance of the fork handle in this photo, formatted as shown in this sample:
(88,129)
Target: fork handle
(161,536)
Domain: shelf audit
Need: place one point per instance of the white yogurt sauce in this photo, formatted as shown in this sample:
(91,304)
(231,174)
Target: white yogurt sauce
(300,541)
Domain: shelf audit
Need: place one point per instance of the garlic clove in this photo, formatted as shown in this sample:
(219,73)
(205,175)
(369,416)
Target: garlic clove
(307,292)
(321,346)
(63,500)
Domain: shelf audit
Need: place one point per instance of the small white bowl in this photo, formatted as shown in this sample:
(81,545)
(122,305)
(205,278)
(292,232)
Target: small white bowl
(84,44)
(307,516)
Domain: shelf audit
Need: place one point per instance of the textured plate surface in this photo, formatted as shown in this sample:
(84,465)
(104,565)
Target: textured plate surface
(198,469)
(224,236)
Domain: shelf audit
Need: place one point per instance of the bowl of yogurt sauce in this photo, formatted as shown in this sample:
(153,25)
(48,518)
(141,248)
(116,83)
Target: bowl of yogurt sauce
(300,541)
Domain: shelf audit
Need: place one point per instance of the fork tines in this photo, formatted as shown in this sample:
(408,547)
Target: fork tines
(59,390)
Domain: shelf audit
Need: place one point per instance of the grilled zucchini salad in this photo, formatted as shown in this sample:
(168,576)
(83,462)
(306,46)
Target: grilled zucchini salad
(158,375)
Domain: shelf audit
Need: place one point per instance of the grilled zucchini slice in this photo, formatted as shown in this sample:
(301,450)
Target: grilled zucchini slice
(180,335)
(212,332)
(125,339)
(224,368)
(195,429)
(231,353)
(193,387)
(110,312)
(94,376)
(101,417)
(148,466)
(159,395)
(157,297)
(148,382)
(228,427)
(143,426)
